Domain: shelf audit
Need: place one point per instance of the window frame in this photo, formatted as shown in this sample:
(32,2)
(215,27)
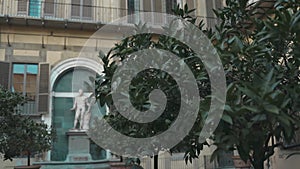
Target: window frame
(81,10)
(34,8)
(23,12)
(173,5)
(25,75)
(44,3)
(131,10)
(31,104)
(42,94)
(152,7)
(27,4)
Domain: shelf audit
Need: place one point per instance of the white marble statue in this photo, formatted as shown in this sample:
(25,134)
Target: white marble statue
(87,114)
(79,106)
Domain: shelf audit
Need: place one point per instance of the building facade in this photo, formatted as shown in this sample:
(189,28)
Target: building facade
(40,44)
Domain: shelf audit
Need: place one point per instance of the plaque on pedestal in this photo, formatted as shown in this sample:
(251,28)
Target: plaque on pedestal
(79,146)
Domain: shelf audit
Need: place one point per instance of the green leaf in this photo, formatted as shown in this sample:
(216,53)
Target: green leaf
(186,8)
(248,91)
(259,117)
(228,108)
(227,119)
(272,109)
(251,108)
(295,21)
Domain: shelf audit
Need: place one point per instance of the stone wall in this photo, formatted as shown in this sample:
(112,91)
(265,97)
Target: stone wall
(34,45)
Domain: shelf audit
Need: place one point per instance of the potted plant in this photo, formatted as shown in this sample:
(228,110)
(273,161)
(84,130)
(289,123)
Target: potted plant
(21,135)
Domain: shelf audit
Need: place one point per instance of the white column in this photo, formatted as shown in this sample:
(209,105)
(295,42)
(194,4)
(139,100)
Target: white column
(108,154)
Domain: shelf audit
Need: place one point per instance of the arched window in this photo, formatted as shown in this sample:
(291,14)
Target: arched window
(64,90)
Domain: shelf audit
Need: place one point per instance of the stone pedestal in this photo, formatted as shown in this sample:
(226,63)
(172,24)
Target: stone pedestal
(79,146)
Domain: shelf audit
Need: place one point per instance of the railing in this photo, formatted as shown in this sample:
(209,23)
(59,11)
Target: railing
(176,161)
(49,9)
(29,108)
(60,11)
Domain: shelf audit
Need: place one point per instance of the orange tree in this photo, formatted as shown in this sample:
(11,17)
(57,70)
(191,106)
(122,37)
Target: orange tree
(20,135)
(146,81)
(261,60)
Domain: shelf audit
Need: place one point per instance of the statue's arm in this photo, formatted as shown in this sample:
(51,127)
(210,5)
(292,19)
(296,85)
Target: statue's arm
(74,105)
(88,104)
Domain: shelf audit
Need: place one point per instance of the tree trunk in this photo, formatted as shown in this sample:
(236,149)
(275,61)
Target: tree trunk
(28,158)
(156,162)
(258,158)
(258,165)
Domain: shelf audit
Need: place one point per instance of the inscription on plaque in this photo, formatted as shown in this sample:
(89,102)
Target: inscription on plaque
(80,158)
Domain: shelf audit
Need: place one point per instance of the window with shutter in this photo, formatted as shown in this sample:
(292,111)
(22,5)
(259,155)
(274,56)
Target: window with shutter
(191,4)
(22,7)
(43,94)
(87,9)
(5,74)
(75,11)
(210,13)
(24,80)
(35,8)
(147,5)
(49,6)
(154,6)
(123,9)
(29,7)
(82,9)
(170,4)
(219,4)
(158,8)
(131,7)
(131,10)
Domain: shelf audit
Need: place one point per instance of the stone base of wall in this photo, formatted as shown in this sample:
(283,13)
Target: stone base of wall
(101,164)
(118,165)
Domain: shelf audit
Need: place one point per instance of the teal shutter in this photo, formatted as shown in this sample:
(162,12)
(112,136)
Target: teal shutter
(5,74)
(44,87)
(35,8)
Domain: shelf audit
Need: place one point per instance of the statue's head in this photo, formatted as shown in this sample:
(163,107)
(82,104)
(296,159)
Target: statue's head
(80,91)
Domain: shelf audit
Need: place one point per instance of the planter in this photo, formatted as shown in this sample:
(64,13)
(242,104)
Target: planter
(239,163)
(28,167)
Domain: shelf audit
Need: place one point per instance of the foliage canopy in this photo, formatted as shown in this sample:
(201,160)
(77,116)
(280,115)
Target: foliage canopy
(260,55)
